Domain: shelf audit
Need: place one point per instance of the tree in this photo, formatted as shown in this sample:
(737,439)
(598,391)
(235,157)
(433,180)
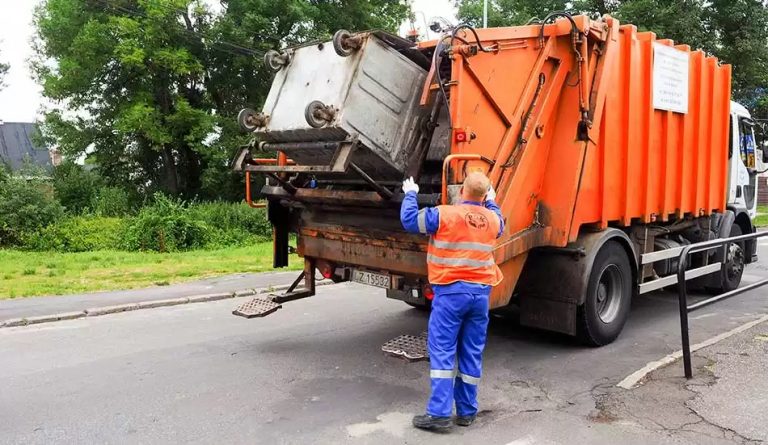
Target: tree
(3,71)
(151,88)
(134,79)
(736,31)
(743,29)
(684,21)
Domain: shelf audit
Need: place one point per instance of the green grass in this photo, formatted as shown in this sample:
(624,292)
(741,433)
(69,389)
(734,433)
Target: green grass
(762,216)
(25,274)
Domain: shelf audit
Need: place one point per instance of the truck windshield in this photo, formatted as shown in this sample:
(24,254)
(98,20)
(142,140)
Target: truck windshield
(747,143)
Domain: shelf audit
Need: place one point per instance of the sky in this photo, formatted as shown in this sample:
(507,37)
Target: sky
(21,100)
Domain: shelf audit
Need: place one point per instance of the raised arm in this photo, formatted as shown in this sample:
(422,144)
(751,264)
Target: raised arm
(425,221)
(490,204)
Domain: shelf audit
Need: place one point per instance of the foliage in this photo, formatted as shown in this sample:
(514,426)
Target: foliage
(111,202)
(75,187)
(152,87)
(232,224)
(3,71)
(165,226)
(736,31)
(78,234)
(25,206)
(743,29)
(761,220)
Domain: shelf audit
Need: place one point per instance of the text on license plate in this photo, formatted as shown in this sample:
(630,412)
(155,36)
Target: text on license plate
(371,279)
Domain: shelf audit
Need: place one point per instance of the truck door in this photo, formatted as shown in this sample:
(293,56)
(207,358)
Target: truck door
(743,165)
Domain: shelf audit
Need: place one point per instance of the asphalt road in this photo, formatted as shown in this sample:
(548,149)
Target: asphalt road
(313,373)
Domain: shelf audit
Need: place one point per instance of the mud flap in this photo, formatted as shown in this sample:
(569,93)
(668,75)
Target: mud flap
(555,316)
(279,216)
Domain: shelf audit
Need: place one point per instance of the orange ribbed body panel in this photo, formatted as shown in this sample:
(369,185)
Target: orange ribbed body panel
(655,165)
(566,113)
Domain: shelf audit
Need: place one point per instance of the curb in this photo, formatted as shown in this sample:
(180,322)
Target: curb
(636,378)
(118,308)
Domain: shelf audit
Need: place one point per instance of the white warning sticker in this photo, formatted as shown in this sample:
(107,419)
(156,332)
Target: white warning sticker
(670,78)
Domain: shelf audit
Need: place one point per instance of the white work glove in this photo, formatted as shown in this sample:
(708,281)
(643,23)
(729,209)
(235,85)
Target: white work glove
(491,195)
(409,185)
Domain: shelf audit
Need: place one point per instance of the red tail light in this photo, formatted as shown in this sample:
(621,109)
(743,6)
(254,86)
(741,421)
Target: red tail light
(429,294)
(460,136)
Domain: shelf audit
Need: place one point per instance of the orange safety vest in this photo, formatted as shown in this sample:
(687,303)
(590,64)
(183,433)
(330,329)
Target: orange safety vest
(462,248)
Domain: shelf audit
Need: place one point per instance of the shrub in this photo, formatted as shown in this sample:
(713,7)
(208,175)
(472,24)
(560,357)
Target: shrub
(165,226)
(111,201)
(25,207)
(232,223)
(75,187)
(78,234)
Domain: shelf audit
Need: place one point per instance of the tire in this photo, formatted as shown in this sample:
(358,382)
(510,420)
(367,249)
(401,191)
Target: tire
(609,295)
(730,277)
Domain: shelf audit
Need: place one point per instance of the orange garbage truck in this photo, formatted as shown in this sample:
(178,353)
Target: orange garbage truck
(610,150)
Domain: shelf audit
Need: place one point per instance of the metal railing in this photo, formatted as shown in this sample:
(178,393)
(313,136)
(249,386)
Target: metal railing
(682,287)
(684,274)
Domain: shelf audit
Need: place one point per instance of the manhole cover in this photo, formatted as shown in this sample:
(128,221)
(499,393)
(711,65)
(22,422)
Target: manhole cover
(412,348)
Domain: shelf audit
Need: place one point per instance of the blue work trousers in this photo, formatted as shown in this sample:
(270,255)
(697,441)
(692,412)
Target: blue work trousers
(458,325)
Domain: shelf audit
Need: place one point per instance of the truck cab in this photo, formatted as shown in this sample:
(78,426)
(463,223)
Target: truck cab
(742,172)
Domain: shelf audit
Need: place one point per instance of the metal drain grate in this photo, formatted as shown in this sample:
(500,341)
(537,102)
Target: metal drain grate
(258,307)
(412,348)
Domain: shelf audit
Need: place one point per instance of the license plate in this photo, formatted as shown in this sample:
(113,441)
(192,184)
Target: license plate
(371,279)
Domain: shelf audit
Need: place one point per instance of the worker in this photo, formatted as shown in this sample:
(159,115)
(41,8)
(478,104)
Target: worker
(461,271)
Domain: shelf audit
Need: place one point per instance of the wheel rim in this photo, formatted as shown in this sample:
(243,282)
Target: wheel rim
(609,289)
(735,265)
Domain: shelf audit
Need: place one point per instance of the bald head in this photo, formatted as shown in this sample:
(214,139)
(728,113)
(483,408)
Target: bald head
(476,186)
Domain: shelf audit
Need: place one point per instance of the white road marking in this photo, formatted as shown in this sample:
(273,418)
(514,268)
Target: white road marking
(699,317)
(394,423)
(632,380)
(527,440)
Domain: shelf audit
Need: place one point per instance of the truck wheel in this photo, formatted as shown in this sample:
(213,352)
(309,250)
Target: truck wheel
(609,293)
(734,264)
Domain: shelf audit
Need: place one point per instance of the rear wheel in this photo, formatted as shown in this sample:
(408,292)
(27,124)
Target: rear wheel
(609,294)
(734,263)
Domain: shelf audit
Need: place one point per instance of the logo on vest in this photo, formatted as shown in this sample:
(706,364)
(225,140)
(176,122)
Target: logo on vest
(476,221)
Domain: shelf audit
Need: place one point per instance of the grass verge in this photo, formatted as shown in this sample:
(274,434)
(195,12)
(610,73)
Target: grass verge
(761,220)
(26,274)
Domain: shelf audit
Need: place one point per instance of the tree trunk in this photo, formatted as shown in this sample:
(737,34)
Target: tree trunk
(171,174)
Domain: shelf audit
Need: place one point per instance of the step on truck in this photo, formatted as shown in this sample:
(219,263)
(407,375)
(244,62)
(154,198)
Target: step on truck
(605,145)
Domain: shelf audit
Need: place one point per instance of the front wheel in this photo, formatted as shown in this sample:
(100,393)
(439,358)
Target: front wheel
(733,268)
(609,295)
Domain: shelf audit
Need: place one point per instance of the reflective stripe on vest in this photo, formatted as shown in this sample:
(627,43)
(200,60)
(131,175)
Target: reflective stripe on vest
(462,248)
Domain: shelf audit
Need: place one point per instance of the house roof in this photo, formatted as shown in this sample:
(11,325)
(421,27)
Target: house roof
(16,146)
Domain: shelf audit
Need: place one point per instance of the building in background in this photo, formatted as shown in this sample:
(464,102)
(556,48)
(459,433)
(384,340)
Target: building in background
(18,148)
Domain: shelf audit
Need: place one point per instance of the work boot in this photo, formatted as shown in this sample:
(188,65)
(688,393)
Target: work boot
(465,420)
(427,422)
